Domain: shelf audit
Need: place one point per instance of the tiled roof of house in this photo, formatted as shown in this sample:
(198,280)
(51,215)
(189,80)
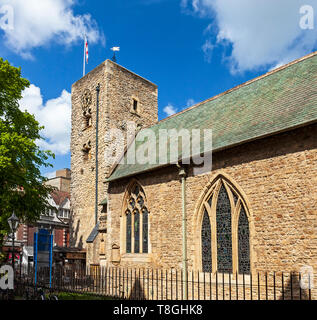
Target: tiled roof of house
(59,196)
(281,100)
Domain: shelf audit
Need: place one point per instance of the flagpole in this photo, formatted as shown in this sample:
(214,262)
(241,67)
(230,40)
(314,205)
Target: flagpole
(84,67)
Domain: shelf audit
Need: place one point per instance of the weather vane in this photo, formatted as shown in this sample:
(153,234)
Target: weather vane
(114,49)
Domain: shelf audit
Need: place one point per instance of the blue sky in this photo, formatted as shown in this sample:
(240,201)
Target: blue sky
(192,49)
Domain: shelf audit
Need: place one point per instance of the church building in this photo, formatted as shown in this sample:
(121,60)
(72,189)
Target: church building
(254,210)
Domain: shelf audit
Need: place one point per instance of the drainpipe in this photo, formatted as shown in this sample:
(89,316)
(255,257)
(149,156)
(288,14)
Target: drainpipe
(182,174)
(97,123)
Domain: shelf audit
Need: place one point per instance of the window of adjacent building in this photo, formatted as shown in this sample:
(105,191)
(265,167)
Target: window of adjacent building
(63,213)
(136,222)
(51,212)
(231,228)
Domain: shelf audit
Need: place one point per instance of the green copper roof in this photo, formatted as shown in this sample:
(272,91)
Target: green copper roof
(279,101)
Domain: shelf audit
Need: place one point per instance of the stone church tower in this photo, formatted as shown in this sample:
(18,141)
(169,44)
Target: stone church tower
(121,96)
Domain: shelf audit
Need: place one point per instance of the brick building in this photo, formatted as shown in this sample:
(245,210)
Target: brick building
(255,210)
(57,217)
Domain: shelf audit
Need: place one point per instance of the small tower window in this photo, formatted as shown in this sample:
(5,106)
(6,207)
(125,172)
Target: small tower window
(87,151)
(135,105)
(87,119)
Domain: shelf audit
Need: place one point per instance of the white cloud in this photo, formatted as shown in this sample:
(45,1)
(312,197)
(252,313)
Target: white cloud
(170,110)
(261,33)
(54,115)
(190,103)
(50,175)
(208,48)
(39,22)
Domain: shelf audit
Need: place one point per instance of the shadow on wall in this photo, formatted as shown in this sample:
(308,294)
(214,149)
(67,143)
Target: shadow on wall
(292,289)
(137,291)
(74,241)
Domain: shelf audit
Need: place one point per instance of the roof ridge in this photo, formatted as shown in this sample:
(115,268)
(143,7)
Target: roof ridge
(267,74)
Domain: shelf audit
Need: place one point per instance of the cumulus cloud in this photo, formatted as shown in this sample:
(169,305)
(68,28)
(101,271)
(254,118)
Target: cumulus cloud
(170,110)
(259,34)
(54,115)
(39,22)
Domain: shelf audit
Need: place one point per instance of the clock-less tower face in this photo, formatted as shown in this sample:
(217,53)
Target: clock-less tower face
(124,96)
(86,100)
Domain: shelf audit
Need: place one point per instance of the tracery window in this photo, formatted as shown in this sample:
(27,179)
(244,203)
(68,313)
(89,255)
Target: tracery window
(136,221)
(206,243)
(227,209)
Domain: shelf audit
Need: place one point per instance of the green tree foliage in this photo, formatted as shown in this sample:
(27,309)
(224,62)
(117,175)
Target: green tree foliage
(21,184)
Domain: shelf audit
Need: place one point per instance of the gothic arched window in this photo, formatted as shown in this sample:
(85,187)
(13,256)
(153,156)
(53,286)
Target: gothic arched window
(136,221)
(226,207)
(224,238)
(243,242)
(206,243)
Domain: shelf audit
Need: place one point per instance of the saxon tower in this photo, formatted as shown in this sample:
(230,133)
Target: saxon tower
(106,98)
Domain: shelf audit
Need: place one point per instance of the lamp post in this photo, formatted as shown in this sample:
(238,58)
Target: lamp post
(13,223)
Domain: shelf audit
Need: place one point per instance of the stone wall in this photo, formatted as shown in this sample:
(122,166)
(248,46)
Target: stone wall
(118,88)
(277,175)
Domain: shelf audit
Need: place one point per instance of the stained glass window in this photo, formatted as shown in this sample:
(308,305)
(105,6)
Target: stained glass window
(145,230)
(235,198)
(224,237)
(243,243)
(140,201)
(206,243)
(222,210)
(136,203)
(136,190)
(136,231)
(128,235)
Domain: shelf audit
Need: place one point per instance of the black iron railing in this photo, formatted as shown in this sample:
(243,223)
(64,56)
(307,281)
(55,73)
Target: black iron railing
(159,284)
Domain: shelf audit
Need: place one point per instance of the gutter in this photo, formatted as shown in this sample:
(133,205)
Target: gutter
(97,124)
(183,175)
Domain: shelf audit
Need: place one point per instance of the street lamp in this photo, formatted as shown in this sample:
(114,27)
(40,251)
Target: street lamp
(13,223)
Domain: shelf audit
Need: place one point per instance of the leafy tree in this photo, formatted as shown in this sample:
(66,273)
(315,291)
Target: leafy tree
(22,187)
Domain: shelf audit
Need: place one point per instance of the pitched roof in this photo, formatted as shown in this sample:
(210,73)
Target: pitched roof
(60,196)
(103,202)
(91,238)
(281,100)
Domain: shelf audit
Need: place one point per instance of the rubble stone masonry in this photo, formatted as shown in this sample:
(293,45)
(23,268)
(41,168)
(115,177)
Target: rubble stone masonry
(118,90)
(277,176)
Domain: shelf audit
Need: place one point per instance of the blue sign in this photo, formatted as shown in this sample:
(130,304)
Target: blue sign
(43,243)
(43,240)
